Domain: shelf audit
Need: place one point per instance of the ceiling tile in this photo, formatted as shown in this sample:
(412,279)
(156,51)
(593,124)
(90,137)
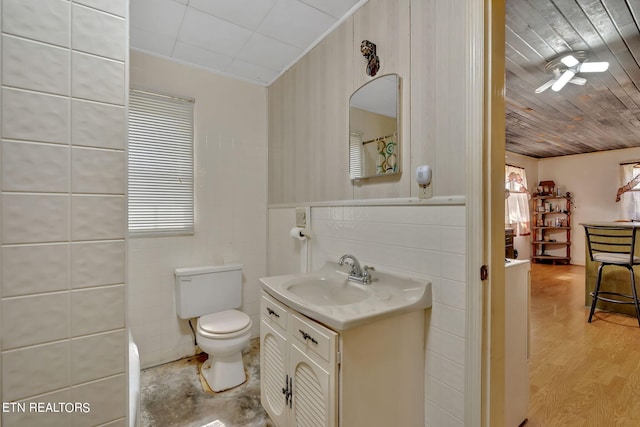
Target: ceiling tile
(251,72)
(269,53)
(296,23)
(211,33)
(157,16)
(256,39)
(246,13)
(202,57)
(151,42)
(335,8)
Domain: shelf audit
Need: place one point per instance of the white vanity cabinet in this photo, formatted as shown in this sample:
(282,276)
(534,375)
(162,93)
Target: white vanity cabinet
(298,367)
(370,375)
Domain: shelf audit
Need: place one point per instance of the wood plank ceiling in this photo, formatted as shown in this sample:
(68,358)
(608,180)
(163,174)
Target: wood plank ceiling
(604,114)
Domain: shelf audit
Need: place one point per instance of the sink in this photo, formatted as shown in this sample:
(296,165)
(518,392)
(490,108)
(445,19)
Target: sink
(327,291)
(328,297)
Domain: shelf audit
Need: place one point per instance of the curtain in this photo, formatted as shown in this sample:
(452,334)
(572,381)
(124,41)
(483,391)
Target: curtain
(517,200)
(387,158)
(629,193)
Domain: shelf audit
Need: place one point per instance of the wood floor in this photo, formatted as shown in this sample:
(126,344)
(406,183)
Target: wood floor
(581,374)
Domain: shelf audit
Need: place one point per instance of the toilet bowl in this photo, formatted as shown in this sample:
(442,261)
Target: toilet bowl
(211,294)
(222,336)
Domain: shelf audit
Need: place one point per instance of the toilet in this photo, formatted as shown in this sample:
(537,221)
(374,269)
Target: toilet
(212,294)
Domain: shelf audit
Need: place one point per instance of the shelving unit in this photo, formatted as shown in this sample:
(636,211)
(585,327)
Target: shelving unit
(551,225)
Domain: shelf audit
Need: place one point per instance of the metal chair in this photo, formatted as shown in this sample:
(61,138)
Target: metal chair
(613,245)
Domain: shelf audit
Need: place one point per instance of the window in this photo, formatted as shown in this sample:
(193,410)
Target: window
(517,200)
(628,194)
(160,164)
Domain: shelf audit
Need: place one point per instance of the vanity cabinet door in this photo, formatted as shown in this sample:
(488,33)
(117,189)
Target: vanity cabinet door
(274,379)
(314,392)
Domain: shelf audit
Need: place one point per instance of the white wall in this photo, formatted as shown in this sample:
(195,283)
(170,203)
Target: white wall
(424,241)
(64,209)
(593,180)
(230,199)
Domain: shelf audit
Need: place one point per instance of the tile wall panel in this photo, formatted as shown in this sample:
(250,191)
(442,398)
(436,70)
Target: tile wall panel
(33,65)
(116,7)
(35,167)
(98,33)
(97,356)
(97,310)
(30,218)
(98,171)
(97,263)
(106,399)
(35,116)
(30,269)
(34,19)
(98,217)
(97,79)
(35,319)
(42,419)
(98,125)
(50,364)
(63,182)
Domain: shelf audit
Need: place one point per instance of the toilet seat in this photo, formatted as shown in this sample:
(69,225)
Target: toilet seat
(224,324)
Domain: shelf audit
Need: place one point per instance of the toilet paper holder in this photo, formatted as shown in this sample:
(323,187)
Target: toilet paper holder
(300,233)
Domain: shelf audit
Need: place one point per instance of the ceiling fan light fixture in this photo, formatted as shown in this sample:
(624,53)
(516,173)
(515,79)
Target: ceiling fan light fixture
(563,80)
(593,67)
(570,61)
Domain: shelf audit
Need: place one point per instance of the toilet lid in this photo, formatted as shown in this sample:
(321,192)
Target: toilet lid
(224,322)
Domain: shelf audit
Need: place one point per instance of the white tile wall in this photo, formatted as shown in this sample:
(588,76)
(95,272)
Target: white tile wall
(34,269)
(230,191)
(35,116)
(97,79)
(60,419)
(35,319)
(62,260)
(98,125)
(92,32)
(31,218)
(425,241)
(33,65)
(37,20)
(34,167)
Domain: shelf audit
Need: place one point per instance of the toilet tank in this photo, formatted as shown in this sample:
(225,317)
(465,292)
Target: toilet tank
(205,290)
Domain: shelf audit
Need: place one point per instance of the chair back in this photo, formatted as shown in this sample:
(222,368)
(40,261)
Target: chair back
(616,241)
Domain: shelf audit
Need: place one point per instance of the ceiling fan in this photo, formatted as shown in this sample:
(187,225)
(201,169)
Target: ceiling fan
(565,67)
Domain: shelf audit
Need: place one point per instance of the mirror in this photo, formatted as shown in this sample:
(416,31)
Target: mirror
(374,143)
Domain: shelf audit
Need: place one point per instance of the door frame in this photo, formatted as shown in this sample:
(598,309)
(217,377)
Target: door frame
(485,131)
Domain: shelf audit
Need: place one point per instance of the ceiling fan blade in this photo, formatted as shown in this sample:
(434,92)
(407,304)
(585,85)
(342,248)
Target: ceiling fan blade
(593,67)
(563,80)
(578,81)
(545,86)
(570,61)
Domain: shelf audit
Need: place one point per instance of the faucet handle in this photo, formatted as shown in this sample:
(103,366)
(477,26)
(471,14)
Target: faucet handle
(366,276)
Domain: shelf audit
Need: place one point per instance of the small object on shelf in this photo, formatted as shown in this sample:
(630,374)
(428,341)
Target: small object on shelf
(548,188)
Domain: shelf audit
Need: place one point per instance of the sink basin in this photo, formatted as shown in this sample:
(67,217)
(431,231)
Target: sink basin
(327,291)
(328,297)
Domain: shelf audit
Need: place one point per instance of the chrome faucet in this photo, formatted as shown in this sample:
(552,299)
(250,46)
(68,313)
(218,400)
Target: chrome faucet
(356,273)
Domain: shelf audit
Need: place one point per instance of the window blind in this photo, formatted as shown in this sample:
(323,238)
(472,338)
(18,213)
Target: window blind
(355,155)
(160,164)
